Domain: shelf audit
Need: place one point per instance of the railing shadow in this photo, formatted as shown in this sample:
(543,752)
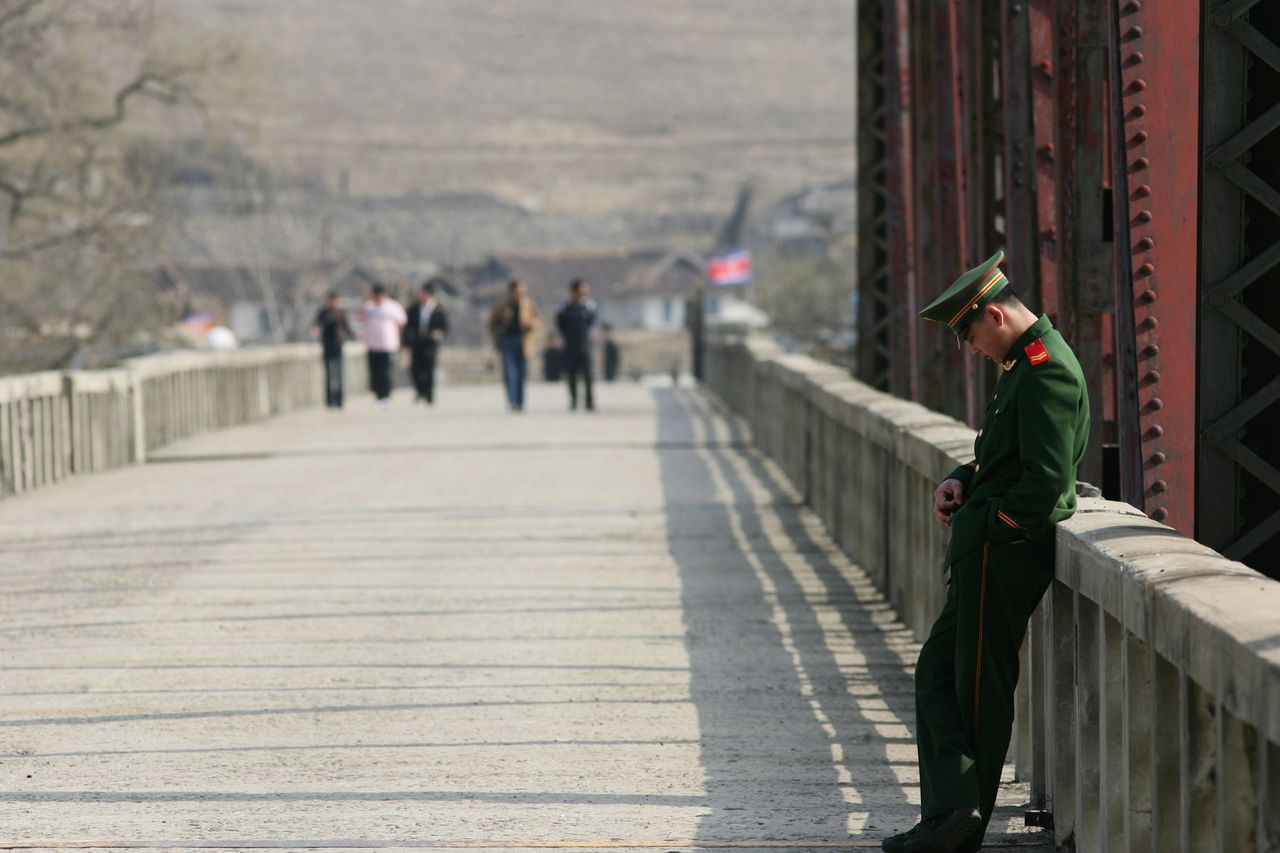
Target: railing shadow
(891,636)
(803,726)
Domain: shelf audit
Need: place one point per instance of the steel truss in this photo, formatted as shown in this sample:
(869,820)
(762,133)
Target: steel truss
(1238,509)
(1136,191)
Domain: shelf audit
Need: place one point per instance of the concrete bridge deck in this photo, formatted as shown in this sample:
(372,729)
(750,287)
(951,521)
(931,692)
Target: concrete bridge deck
(451,628)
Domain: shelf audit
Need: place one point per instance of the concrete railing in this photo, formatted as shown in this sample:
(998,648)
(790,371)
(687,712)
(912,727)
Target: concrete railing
(1149,704)
(54,425)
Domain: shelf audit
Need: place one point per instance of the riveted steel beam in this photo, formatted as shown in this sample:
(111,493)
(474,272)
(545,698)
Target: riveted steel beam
(1155,51)
(1019,149)
(1042,31)
(1085,243)
(901,204)
(951,87)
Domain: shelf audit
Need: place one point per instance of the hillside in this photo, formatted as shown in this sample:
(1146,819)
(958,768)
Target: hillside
(576,106)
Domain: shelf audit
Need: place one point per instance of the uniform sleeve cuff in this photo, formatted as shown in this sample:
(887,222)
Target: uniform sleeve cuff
(964,473)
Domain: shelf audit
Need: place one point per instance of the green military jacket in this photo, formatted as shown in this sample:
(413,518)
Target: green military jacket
(1022,480)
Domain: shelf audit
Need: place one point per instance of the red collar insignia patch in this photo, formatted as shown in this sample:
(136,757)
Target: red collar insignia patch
(1036,353)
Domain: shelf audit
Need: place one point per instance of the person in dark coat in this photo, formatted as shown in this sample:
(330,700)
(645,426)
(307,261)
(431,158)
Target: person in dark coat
(574,320)
(612,358)
(332,328)
(424,331)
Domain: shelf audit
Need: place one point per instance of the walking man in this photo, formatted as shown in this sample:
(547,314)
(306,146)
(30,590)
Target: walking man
(334,330)
(1001,509)
(426,327)
(574,320)
(512,326)
(384,318)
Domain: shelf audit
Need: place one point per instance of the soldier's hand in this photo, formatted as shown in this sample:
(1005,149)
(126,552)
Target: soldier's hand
(947,498)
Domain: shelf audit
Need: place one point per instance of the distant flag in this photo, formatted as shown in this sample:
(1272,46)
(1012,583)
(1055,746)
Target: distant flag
(730,270)
(730,263)
(201,322)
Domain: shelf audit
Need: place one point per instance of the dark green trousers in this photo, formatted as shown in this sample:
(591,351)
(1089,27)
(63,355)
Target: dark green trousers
(966,674)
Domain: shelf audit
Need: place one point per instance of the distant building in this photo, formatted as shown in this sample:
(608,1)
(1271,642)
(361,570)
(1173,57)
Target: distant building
(656,295)
(806,223)
(634,288)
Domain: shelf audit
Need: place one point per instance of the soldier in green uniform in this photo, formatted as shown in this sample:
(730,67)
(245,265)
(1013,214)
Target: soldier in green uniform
(1001,509)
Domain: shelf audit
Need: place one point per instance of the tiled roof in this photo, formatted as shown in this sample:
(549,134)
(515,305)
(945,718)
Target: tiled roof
(609,272)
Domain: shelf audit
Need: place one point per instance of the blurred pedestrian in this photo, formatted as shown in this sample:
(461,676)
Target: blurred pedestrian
(333,330)
(553,359)
(612,358)
(423,333)
(384,318)
(513,325)
(575,319)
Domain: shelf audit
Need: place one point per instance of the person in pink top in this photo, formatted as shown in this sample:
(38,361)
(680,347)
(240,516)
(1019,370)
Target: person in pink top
(384,318)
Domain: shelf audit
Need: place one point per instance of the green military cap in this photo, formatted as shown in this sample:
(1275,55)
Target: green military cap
(959,305)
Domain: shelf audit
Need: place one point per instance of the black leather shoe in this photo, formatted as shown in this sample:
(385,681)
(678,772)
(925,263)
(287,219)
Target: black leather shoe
(941,834)
(898,843)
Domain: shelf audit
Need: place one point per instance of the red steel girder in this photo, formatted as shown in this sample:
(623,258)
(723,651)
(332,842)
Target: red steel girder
(1041,21)
(932,369)
(904,328)
(1019,149)
(951,148)
(951,159)
(1155,49)
(1085,278)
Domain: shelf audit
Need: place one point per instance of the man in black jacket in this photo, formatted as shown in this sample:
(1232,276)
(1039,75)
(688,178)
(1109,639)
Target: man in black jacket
(333,329)
(575,319)
(426,328)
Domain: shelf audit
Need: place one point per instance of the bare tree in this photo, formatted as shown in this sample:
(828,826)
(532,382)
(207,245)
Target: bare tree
(280,230)
(807,297)
(78,226)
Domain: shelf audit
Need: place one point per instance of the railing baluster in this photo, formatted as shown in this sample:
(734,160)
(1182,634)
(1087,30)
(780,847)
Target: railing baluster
(1138,712)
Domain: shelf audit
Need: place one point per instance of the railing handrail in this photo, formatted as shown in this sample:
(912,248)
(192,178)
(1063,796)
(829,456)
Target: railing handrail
(1154,575)
(56,424)
(30,384)
(169,362)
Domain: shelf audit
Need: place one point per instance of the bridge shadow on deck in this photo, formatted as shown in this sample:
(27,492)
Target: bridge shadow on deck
(803,699)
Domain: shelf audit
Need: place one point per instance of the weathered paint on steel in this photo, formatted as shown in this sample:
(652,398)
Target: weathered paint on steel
(1044,118)
(954,254)
(927,358)
(904,327)
(996,129)
(1157,46)
(1125,363)
(1019,148)
(1085,277)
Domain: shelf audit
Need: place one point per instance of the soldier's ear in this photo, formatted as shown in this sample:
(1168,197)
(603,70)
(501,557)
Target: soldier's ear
(995,315)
